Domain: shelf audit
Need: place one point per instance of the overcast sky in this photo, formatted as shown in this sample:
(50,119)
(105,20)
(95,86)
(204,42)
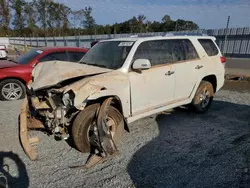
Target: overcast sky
(206,13)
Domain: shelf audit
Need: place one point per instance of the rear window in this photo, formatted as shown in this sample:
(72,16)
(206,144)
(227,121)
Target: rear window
(29,56)
(209,47)
(53,56)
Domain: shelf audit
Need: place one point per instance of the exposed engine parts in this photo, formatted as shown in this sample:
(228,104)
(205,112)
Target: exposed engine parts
(55,116)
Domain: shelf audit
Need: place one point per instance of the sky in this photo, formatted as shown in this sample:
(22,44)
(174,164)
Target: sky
(208,14)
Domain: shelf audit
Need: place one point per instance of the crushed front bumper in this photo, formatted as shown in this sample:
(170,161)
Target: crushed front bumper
(27,123)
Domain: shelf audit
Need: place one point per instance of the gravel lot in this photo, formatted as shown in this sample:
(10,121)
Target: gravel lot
(178,150)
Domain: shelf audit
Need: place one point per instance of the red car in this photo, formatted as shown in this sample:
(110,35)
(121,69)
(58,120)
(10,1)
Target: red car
(14,75)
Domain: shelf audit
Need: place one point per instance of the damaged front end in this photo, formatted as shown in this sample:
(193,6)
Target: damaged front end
(49,111)
(53,112)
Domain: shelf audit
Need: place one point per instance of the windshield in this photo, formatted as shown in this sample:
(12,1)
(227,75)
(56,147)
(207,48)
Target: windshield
(110,54)
(27,57)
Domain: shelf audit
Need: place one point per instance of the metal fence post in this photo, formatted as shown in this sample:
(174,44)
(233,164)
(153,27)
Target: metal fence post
(242,36)
(79,40)
(54,40)
(25,42)
(76,40)
(224,46)
(45,41)
(36,41)
(30,41)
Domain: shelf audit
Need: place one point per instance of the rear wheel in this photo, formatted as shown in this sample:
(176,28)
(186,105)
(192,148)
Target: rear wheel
(84,127)
(203,97)
(11,89)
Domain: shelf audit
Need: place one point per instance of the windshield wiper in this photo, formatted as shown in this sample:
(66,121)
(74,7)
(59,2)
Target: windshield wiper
(82,62)
(97,65)
(94,64)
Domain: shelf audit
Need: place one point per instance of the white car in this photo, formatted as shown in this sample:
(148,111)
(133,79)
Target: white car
(3,52)
(120,81)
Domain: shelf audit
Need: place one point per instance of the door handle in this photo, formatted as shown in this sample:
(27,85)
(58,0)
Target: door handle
(169,73)
(198,66)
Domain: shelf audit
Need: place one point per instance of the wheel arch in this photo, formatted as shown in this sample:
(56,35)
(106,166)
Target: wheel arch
(15,78)
(212,79)
(116,102)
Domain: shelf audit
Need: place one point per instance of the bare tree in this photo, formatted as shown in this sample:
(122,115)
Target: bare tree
(88,22)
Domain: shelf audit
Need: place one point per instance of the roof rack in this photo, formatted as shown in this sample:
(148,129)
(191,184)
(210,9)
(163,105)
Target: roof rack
(185,34)
(134,36)
(142,35)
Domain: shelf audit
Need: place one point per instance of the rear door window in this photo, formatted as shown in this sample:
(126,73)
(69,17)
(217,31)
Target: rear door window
(59,56)
(75,56)
(189,50)
(209,47)
(160,52)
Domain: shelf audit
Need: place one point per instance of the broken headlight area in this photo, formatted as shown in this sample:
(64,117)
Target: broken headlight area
(54,109)
(68,98)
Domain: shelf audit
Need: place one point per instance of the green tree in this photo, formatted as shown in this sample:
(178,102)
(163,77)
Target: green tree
(4,16)
(184,25)
(18,8)
(65,13)
(156,26)
(141,18)
(42,8)
(166,19)
(30,15)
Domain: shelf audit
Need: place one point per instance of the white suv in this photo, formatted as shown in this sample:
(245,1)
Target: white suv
(117,82)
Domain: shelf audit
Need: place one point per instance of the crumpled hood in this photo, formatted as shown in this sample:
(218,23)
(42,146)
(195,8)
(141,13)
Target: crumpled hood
(50,73)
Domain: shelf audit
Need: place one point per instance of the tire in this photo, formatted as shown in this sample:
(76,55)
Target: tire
(12,84)
(81,129)
(201,103)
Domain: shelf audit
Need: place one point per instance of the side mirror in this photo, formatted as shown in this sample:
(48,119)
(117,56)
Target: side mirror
(141,64)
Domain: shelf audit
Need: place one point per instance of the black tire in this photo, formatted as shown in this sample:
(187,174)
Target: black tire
(83,121)
(199,105)
(17,83)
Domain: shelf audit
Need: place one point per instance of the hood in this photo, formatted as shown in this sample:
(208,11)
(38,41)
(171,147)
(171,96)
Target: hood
(7,64)
(54,72)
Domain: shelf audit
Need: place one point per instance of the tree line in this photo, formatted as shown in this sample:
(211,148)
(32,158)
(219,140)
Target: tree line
(50,18)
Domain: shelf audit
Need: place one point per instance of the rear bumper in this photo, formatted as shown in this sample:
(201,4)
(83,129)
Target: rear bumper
(27,143)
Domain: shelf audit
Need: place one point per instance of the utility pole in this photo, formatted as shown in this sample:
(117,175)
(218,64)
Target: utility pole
(224,46)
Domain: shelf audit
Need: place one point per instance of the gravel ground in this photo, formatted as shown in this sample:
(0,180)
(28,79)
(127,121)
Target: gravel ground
(182,149)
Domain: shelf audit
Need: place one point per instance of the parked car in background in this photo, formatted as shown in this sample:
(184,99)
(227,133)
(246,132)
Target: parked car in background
(14,75)
(3,52)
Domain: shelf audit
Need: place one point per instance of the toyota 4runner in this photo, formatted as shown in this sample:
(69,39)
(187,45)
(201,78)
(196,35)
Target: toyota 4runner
(117,82)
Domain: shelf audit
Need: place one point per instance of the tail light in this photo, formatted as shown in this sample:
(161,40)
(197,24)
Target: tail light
(223,59)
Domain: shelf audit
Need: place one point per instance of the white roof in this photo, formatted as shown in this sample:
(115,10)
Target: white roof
(134,38)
